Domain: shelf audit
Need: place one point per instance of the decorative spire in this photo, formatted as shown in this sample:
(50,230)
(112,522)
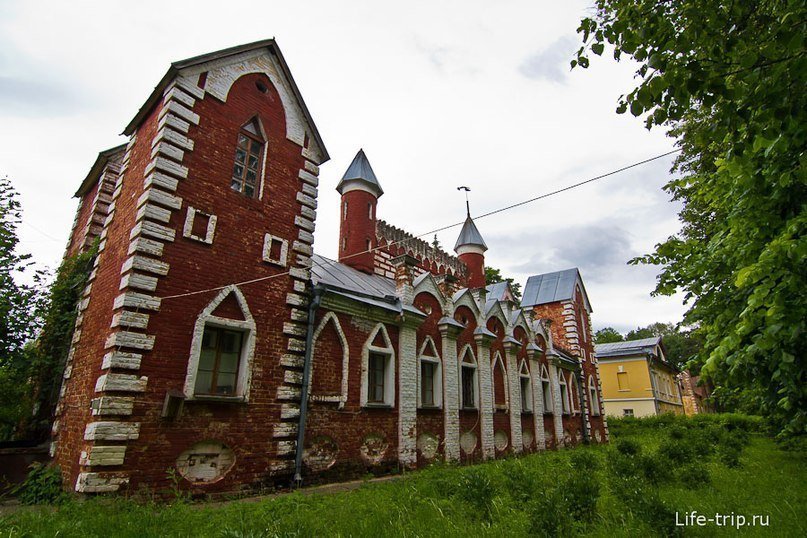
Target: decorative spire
(360,174)
(469,235)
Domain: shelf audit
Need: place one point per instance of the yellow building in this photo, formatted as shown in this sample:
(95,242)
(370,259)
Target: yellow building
(637,379)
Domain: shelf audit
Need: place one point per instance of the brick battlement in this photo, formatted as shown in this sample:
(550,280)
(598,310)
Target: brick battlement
(434,260)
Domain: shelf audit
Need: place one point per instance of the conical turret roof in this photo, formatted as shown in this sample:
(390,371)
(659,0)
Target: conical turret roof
(469,235)
(360,171)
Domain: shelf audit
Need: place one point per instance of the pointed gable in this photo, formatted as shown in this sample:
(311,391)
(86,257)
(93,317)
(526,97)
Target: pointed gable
(360,171)
(215,73)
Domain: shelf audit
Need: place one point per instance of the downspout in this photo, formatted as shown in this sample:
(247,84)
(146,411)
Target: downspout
(583,399)
(316,291)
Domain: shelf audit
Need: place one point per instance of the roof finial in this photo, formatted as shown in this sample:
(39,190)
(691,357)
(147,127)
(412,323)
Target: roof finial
(467,205)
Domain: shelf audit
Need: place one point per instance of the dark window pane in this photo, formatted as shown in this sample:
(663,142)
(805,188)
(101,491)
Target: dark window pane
(240,156)
(243,141)
(251,176)
(427,383)
(253,162)
(249,190)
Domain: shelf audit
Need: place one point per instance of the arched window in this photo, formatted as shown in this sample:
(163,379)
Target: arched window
(574,401)
(593,397)
(248,159)
(430,384)
(526,388)
(468,380)
(378,365)
(501,400)
(546,389)
(564,393)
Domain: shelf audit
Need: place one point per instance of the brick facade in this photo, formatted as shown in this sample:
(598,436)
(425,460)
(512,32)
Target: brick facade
(185,252)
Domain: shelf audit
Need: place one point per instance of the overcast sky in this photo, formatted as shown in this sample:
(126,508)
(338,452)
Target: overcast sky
(439,94)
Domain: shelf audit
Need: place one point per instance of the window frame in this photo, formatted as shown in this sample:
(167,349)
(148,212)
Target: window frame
(253,140)
(387,352)
(473,366)
(248,329)
(594,398)
(546,392)
(563,387)
(524,375)
(428,354)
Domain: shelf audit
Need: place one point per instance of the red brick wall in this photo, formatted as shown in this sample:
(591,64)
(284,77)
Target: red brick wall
(357,230)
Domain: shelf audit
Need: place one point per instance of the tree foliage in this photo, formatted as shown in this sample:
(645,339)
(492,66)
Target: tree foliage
(21,310)
(493,276)
(608,335)
(727,80)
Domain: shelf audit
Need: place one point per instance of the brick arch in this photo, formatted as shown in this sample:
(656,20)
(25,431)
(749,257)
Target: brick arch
(331,320)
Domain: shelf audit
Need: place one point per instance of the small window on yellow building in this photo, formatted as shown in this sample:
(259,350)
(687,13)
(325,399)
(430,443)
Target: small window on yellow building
(622,380)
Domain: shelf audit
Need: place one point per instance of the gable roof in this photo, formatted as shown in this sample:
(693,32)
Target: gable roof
(176,67)
(553,287)
(469,235)
(631,347)
(499,291)
(360,170)
(98,166)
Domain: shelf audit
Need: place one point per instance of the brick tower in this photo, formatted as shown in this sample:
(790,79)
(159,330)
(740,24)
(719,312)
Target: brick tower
(360,192)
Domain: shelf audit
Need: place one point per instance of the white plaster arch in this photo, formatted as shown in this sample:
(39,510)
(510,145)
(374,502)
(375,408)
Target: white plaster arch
(497,360)
(367,348)
(425,283)
(247,326)
(330,317)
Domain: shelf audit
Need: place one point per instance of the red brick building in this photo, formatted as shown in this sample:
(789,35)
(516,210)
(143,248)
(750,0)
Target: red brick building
(212,342)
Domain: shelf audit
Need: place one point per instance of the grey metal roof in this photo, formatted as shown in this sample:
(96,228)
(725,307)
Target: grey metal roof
(553,287)
(360,170)
(497,291)
(631,347)
(338,275)
(469,235)
(176,67)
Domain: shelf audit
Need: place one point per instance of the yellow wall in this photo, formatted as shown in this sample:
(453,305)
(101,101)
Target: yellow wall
(638,379)
(639,394)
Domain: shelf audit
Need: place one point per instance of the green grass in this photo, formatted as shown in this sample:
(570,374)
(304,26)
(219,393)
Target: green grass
(513,497)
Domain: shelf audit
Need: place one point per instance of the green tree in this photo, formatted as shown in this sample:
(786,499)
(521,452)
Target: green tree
(493,276)
(727,80)
(608,335)
(21,309)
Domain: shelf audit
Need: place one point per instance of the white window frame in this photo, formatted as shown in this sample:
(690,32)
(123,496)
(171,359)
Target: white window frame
(497,358)
(389,368)
(524,374)
(574,397)
(246,326)
(628,413)
(564,394)
(472,365)
(546,391)
(428,353)
(593,394)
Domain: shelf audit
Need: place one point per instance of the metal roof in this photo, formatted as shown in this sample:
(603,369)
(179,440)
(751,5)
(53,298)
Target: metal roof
(631,347)
(338,275)
(98,166)
(497,291)
(553,287)
(176,67)
(360,170)
(469,235)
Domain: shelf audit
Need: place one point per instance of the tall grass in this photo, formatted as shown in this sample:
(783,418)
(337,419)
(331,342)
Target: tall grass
(653,469)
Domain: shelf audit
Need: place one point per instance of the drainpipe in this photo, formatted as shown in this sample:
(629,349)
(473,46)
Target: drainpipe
(583,399)
(309,352)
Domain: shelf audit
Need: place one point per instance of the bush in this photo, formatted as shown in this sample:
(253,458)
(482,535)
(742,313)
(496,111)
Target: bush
(43,485)
(584,460)
(580,492)
(628,447)
(548,516)
(478,491)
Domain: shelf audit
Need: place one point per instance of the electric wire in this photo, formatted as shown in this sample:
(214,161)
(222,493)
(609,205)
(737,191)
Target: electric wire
(447,227)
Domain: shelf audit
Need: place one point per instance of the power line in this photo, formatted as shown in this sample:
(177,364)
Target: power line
(448,227)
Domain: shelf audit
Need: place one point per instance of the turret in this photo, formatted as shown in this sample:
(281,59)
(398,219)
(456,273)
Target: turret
(360,191)
(470,248)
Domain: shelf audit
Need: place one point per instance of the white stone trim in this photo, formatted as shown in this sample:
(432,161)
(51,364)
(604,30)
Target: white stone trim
(282,261)
(247,325)
(469,351)
(433,358)
(332,318)
(187,229)
(389,381)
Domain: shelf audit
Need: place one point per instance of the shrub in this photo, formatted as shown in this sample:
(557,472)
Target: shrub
(43,485)
(656,469)
(695,474)
(675,452)
(584,460)
(729,455)
(548,516)
(628,447)
(580,492)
